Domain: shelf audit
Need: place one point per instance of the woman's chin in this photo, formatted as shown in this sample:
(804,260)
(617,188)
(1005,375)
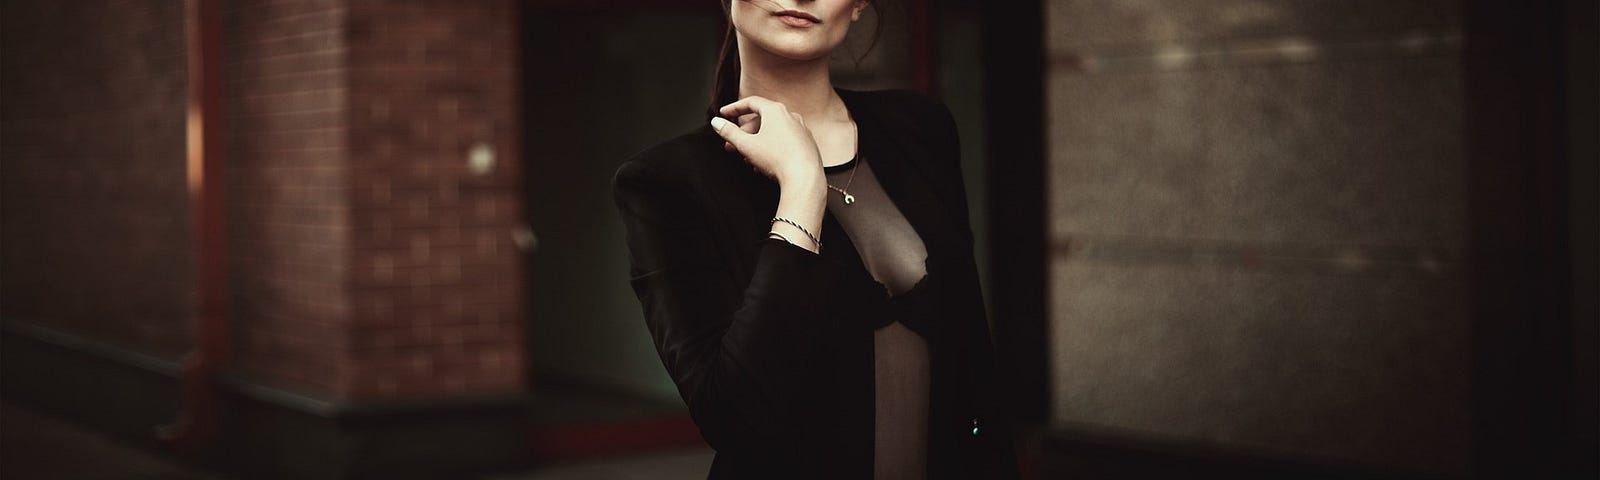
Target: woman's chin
(795,47)
(800,53)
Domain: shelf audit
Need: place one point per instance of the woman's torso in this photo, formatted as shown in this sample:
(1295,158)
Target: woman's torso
(840,437)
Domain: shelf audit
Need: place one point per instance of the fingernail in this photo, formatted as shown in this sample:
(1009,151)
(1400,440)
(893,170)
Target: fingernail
(717,123)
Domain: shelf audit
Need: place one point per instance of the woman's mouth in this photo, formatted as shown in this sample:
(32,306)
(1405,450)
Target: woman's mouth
(796,18)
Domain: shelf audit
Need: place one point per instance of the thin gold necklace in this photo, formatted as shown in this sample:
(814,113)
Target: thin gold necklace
(848,198)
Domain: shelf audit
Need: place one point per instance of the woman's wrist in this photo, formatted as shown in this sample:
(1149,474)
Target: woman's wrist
(806,193)
(808,175)
(802,200)
(792,233)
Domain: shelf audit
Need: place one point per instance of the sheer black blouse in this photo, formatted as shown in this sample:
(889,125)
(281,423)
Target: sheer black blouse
(890,250)
(796,364)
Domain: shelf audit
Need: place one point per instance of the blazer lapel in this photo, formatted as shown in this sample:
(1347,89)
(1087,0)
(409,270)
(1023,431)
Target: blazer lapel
(901,161)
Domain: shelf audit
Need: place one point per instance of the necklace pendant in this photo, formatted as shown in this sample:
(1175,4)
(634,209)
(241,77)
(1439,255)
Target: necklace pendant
(849,199)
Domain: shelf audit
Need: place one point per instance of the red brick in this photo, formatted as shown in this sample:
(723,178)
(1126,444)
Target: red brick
(94,137)
(357,236)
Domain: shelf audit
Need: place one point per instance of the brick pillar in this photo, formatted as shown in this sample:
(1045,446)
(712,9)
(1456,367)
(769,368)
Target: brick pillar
(375,201)
(436,279)
(289,214)
(375,259)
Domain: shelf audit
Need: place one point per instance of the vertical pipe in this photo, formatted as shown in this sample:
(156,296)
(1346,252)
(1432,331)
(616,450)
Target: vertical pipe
(923,48)
(196,424)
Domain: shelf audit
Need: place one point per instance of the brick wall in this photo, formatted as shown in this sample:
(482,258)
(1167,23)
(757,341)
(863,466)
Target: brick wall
(436,277)
(367,258)
(370,261)
(93,205)
(288,218)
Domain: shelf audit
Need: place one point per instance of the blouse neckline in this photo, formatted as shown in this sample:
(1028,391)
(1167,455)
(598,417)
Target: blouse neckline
(846,166)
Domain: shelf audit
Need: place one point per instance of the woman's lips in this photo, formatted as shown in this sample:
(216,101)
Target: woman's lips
(797,19)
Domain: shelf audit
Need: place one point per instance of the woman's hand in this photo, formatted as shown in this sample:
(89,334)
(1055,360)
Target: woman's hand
(774,140)
(777,143)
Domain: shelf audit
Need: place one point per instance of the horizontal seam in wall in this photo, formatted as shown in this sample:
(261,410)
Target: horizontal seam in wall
(1358,260)
(1279,50)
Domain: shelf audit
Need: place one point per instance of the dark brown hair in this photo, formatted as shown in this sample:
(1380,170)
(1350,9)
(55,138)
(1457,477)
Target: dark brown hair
(725,82)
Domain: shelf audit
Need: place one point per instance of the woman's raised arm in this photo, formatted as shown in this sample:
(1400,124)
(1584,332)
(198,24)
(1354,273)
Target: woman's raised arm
(744,357)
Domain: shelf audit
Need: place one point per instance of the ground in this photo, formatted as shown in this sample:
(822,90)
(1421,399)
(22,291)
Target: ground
(35,445)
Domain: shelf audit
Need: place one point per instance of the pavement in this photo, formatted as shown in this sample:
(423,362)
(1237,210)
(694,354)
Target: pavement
(683,464)
(37,445)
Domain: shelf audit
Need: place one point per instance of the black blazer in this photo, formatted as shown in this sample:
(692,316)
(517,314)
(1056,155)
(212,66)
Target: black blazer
(767,342)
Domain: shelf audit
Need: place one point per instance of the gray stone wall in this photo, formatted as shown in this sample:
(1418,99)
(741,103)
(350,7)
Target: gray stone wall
(1257,220)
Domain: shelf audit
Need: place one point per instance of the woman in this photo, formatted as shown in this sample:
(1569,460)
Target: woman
(867,358)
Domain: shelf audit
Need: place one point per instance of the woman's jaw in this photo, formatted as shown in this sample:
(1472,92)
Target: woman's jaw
(794,32)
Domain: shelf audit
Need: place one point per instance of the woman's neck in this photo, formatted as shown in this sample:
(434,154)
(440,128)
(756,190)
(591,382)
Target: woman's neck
(804,86)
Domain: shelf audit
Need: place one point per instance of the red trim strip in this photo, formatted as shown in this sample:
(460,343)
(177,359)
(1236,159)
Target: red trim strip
(923,48)
(570,442)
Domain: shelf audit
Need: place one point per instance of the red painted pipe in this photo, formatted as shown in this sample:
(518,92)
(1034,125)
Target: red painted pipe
(569,442)
(924,46)
(196,424)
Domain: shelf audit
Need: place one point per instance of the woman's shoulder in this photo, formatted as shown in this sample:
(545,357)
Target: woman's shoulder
(675,157)
(903,99)
(907,109)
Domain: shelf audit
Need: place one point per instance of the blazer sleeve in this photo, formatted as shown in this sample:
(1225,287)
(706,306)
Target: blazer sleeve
(738,353)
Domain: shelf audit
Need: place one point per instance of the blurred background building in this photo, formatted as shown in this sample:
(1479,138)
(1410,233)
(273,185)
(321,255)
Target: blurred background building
(375,239)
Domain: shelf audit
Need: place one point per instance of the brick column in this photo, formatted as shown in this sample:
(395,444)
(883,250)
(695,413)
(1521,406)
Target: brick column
(436,279)
(378,197)
(373,198)
(289,214)
(379,288)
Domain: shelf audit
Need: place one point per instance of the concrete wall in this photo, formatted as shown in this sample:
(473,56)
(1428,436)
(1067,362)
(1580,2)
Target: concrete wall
(1257,226)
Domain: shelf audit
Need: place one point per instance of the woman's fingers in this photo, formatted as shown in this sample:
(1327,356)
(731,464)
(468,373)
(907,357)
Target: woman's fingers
(751,104)
(751,123)
(742,106)
(768,135)
(728,131)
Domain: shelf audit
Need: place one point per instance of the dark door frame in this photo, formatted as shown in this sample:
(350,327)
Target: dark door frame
(1014,96)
